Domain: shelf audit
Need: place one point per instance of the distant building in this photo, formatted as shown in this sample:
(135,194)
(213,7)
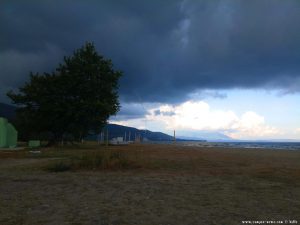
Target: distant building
(117,141)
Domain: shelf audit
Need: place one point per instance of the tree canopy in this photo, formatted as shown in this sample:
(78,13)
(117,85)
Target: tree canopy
(74,101)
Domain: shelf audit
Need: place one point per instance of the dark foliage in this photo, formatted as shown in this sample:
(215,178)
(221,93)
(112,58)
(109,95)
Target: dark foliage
(72,102)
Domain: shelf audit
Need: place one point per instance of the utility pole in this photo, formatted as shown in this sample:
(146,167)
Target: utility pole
(107,138)
(174,136)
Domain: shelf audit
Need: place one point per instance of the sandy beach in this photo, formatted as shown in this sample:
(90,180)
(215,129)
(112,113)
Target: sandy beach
(168,184)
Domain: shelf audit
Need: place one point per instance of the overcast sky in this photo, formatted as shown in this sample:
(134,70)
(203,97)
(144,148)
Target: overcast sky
(206,57)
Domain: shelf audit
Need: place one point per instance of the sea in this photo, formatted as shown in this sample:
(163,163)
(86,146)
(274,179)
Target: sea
(247,145)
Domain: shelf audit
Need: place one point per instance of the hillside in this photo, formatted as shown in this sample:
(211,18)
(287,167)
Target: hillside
(115,130)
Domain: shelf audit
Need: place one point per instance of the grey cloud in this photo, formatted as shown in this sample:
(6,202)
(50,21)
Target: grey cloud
(203,94)
(167,49)
(131,111)
(158,112)
(15,66)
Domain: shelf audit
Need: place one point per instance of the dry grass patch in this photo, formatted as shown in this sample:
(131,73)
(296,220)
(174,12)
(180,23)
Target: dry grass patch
(149,184)
(101,160)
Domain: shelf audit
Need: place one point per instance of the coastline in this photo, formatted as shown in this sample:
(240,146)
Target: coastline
(294,146)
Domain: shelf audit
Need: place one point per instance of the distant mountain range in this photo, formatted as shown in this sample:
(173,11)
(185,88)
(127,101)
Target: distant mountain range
(115,130)
(131,133)
(207,135)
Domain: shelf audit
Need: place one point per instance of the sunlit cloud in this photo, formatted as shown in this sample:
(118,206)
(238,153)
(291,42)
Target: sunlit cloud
(252,125)
(192,115)
(198,116)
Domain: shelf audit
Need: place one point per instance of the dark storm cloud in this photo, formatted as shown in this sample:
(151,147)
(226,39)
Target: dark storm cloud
(131,111)
(167,49)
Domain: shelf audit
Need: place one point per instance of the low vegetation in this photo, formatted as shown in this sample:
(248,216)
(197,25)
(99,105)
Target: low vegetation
(148,184)
(96,160)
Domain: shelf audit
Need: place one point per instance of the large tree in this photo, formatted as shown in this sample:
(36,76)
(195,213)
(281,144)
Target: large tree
(75,100)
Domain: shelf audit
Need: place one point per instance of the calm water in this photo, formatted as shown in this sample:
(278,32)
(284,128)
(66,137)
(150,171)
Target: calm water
(255,145)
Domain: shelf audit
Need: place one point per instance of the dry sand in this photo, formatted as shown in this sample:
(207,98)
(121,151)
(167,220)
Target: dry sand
(173,185)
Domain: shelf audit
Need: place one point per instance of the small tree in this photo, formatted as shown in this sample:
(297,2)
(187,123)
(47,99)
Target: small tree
(75,100)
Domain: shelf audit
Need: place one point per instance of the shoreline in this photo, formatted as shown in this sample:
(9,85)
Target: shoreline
(286,146)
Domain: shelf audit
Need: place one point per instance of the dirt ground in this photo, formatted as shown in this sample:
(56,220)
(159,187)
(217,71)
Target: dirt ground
(173,185)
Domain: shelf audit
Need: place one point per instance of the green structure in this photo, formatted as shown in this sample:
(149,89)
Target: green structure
(8,134)
(34,143)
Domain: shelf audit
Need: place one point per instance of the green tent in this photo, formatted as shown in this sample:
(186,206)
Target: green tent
(8,134)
